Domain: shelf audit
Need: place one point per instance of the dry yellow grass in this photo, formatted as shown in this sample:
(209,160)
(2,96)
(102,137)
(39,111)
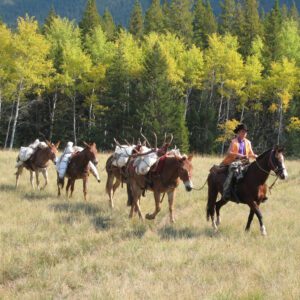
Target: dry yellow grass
(55,248)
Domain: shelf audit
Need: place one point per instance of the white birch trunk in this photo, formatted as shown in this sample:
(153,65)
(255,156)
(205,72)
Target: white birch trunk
(16,116)
(280,123)
(8,126)
(52,115)
(74,119)
(186,102)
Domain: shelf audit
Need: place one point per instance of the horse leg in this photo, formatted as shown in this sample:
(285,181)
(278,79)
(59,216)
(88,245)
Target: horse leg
(84,188)
(250,218)
(135,205)
(109,187)
(219,204)
(18,173)
(37,179)
(72,187)
(171,197)
(67,187)
(258,213)
(210,207)
(45,175)
(31,179)
(157,206)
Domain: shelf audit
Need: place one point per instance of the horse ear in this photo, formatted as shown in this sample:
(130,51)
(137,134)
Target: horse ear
(190,157)
(57,144)
(48,143)
(183,158)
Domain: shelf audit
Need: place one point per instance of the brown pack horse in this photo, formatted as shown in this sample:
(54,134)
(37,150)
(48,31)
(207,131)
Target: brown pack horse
(39,162)
(115,176)
(166,181)
(250,190)
(78,168)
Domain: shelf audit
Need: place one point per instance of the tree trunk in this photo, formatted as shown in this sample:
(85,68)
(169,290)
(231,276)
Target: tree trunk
(227,117)
(90,116)
(186,102)
(52,114)
(280,123)
(242,114)
(8,126)
(220,106)
(0,105)
(74,118)
(16,116)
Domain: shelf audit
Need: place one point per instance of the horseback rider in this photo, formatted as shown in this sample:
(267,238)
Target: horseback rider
(240,150)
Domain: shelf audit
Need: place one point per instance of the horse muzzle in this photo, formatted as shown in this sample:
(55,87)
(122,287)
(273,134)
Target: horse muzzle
(283,175)
(188,186)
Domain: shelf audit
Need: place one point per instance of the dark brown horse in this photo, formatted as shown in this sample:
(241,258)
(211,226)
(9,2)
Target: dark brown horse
(39,162)
(78,168)
(250,190)
(164,179)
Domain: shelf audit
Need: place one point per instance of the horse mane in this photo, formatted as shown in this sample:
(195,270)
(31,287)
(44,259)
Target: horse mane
(264,153)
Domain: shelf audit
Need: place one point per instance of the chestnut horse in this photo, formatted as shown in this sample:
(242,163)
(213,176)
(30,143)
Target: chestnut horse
(78,168)
(115,176)
(250,190)
(39,162)
(172,170)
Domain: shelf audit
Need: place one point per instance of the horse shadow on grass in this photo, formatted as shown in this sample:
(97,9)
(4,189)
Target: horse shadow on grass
(37,196)
(7,187)
(169,232)
(99,218)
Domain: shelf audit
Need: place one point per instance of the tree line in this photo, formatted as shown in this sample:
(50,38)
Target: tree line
(178,68)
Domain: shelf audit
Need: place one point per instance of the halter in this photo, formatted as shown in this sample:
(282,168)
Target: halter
(272,166)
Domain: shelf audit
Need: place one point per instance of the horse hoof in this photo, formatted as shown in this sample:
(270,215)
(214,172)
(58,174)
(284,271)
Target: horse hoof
(99,180)
(150,217)
(263,231)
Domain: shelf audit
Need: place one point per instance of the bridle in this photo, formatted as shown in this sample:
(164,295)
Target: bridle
(273,167)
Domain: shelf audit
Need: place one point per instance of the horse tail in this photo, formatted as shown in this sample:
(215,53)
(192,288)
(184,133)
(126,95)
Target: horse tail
(129,194)
(211,199)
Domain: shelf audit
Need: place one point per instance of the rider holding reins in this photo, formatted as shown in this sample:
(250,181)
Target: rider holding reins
(240,149)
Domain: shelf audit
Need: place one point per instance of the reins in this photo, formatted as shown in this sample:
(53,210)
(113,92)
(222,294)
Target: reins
(269,173)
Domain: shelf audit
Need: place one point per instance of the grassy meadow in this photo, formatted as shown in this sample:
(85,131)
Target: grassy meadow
(54,248)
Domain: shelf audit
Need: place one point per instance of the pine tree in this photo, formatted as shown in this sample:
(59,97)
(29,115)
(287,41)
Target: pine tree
(161,109)
(154,20)
(136,23)
(227,16)
(294,13)
(90,19)
(251,27)
(49,19)
(180,18)
(109,26)
(271,31)
(204,23)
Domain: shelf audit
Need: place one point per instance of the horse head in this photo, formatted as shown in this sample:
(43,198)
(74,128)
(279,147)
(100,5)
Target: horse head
(52,150)
(91,152)
(277,162)
(185,171)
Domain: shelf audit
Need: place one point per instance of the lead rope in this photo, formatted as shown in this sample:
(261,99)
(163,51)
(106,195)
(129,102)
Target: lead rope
(271,186)
(202,187)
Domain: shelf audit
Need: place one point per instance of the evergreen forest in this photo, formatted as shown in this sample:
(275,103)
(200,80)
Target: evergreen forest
(177,68)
